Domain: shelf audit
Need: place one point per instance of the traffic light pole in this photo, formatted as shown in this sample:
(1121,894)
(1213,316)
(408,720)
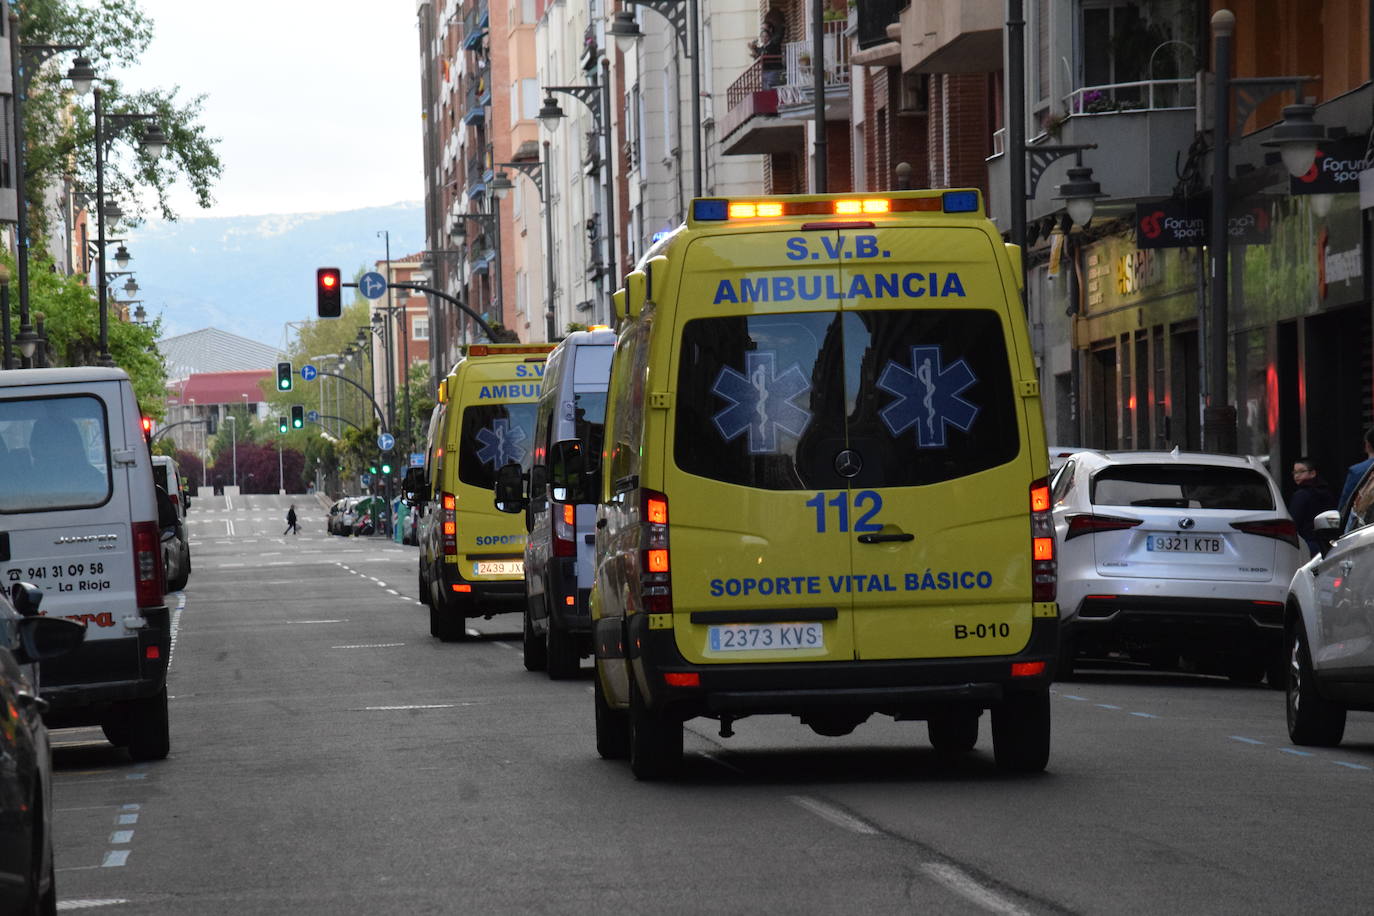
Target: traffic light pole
(419,287)
(167,429)
(381,414)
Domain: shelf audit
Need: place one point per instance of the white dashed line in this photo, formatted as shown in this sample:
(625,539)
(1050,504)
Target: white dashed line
(964,885)
(833,815)
(374,645)
(90,903)
(115,858)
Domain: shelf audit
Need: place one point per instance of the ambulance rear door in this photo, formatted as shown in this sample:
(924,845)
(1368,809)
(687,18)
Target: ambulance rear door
(936,472)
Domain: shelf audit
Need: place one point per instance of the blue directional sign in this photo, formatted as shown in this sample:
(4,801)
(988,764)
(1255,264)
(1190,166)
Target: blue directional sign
(313,416)
(372,285)
(308,372)
(386,441)
(417,459)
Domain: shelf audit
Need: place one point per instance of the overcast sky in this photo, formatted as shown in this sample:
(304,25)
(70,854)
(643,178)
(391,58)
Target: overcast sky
(316,102)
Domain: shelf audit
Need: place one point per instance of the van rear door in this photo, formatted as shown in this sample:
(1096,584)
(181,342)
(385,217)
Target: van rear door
(940,474)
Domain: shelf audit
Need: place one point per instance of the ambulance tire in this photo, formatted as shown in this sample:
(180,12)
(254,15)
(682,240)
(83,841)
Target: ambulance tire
(536,654)
(561,655)
(1021,732)
(447,625)
(116,729)
(424,589)
(612,725)
(149,735)
(655,740)
(954,732)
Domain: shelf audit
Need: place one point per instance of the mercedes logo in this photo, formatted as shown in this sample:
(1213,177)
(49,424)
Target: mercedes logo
(848,463)
(1186,523)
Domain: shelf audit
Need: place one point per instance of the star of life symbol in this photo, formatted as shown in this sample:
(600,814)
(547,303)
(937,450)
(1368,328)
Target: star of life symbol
(761,402)
(927,396)
(500,444)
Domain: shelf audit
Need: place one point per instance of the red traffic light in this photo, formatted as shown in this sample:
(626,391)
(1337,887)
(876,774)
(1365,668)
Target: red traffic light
(328,292)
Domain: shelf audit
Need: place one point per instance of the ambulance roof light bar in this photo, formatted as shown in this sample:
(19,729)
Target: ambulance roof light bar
(719,209)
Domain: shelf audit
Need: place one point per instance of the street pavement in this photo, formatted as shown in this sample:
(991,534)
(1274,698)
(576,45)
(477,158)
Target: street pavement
(329,756)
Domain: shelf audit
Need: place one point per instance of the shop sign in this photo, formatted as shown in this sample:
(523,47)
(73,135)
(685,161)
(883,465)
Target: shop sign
(1336,169)
(1184,223)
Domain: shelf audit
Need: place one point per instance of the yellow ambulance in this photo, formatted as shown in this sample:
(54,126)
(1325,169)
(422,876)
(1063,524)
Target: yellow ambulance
(471,554)
(825,481)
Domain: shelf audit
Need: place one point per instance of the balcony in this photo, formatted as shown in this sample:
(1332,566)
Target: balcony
(475,26)
(477,176)
(476,96)
(952,36)
(768,106)
(1140,129)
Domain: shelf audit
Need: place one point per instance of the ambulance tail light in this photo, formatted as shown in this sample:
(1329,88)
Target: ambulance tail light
(448,519)
(655,571)
(564,530)
(147,564)
(1044,567)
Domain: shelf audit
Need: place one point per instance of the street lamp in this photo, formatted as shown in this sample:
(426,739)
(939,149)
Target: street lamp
(535,172)
(234,439)
(24,62)
(597,99)
(1296,138)
(683,17)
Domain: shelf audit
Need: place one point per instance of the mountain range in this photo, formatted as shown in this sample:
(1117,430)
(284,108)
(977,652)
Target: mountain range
(253,274)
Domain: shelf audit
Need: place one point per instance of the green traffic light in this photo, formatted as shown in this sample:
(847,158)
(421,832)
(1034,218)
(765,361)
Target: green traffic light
(386,469)
(281,424)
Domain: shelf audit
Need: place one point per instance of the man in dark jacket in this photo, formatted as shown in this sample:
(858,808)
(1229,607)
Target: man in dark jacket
(1311,497)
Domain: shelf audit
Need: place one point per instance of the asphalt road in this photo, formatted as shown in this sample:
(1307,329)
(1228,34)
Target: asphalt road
(329,756)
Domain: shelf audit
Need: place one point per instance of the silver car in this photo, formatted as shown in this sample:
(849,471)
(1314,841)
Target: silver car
(1329,625)
(1169,557)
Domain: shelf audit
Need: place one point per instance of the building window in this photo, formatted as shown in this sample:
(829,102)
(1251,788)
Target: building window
(419,329)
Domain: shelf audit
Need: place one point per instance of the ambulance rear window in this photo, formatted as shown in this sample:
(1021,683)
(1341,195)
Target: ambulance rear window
(54,454)
(494,435)
(815,400)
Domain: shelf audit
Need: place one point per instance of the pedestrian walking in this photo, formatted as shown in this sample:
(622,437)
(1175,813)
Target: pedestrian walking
(1312,496)
(291,525)
(1352,476)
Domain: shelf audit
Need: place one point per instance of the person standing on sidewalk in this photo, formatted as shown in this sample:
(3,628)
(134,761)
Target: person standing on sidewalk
(1311,497)
(291,525)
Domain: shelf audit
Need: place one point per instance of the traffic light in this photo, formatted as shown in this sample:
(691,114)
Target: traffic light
(372,469)
(386,468)
(281,424)
(147,429)
(297,416)
(283,376)
(328,292)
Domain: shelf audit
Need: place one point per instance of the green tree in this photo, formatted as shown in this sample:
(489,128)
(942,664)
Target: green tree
(61,136)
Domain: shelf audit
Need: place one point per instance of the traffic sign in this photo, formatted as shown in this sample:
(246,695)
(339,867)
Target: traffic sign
(372,285)
(386,441)
(313,416)
(308,372)
(417,459)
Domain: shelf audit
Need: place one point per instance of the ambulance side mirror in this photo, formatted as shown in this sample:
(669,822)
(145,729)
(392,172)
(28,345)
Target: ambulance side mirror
(510,488)
(413,485)
(618,303)
(636,285)
(1015,255)
(656,279)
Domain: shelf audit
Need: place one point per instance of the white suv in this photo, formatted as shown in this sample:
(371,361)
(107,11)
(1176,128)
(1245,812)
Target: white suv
(1169,555)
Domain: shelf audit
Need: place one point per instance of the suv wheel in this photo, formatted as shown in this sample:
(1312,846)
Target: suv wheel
(1312,720)
(1021,732)
(149,735)
(536,655)
(612,725)
(655,740)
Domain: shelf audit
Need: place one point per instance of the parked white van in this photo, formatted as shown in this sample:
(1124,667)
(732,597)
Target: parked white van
(79,517)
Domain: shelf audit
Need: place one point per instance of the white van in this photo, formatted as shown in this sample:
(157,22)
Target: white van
(560,504)
(79,517)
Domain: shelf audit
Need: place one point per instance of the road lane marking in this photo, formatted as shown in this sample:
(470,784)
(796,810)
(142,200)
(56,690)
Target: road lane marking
(1353,766)
(1297,753)
(1145,715)
(834,815)
(371,645)
(115,858)
(963,884)
(1069,696)
(413,706)
(89,903)
(316,621)
(126,819)
(122,837)
(1246,740)
(1108,706)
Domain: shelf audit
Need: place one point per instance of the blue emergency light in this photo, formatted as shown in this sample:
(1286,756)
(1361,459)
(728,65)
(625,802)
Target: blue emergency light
(713,208)
(961,201)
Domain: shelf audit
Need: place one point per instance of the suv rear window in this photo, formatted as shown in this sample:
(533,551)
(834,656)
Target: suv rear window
(54,454)
(874,398)
(494,435)
(1186,486)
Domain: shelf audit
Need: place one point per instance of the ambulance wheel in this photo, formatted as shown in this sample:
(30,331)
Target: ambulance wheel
(424,589)
(954,732)
(564,662)
(116,729)
(149,735)
(1021,732)
(447,625)
(655,739)
(612,725)
(536,654)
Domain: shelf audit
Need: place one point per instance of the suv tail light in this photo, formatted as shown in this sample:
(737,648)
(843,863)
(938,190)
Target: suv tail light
(1091,524)
(448,520)
(147,564)
(1044,568)
(655,575)
(1281,529)
(564,530)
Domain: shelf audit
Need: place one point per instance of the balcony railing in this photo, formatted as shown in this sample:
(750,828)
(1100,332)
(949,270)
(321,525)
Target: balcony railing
(1142,95)
(797,73)
(764,73)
